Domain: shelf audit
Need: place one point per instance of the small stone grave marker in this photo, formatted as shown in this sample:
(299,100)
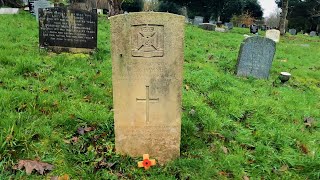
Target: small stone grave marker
(273,34)
(67,30)
(197,20)
(147,56)
(255,57)
(313,33)
(254,29)
(229,25)
(9,10)
(293,31)
(207,26)
(263,27)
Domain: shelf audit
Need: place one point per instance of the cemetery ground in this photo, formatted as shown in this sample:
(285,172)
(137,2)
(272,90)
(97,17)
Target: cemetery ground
(57,108)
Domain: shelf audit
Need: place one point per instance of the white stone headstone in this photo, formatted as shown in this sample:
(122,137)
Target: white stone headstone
(9,10)
(273,34)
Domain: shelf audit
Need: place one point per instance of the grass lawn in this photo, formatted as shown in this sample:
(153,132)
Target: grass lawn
(238,128)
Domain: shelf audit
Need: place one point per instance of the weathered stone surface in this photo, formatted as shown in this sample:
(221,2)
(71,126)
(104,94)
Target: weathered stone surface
(255,57)
(293,31)
(147,57)
(197,20)
(313,33)
(65,30)
(207,26)
(9,10)
(273,34)
(40,4)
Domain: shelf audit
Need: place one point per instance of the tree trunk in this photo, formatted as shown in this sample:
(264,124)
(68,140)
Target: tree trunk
(283,17)
(114,7)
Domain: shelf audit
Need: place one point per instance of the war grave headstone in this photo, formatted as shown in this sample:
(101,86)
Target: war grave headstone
(313,33)
(197,20)
(293,31)
(67,30)
(273,34)
(207,26)
(9,10)
(254,29)
(255,57)
(147,64)
(40,4)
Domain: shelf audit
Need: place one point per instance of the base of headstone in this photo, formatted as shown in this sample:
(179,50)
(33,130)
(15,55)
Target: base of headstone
(69,50)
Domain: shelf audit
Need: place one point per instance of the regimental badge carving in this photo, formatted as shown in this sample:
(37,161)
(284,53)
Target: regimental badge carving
(147,41)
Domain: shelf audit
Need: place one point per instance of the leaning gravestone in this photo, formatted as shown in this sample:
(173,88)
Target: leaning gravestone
(147,56)
(313,33)
(197,20)
(207,26)
(67,30)
(273,34)
(40,4)
(293,31)
(255,57)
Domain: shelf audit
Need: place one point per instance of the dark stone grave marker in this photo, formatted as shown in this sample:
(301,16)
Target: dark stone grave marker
(255,57)
(67,30)
(31,6)
(254,29)
(264,28)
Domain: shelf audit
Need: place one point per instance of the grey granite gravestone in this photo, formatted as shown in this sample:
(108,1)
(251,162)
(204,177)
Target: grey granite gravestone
(263,27)
(67,30)
(207,26)
(197,20)
(40,4)
(255,57)
(313,33)
(293,31)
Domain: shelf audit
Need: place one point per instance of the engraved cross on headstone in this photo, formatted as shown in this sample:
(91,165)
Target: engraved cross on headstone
(148,100)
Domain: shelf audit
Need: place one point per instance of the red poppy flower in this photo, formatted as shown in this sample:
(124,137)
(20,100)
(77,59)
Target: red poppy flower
(146,163)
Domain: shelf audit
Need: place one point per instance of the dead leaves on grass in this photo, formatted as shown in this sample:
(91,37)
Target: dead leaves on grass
(31,165)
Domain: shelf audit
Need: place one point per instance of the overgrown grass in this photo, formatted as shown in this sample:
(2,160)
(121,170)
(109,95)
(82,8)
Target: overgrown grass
(238,126)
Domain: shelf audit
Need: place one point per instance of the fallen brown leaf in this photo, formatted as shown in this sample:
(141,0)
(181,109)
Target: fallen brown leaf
(284,168)
(246,178)
(187,87)
(31,165)
(304,148)
(224,149)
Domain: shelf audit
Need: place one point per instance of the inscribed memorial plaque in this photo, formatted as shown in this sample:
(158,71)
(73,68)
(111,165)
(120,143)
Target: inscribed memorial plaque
(67,30)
